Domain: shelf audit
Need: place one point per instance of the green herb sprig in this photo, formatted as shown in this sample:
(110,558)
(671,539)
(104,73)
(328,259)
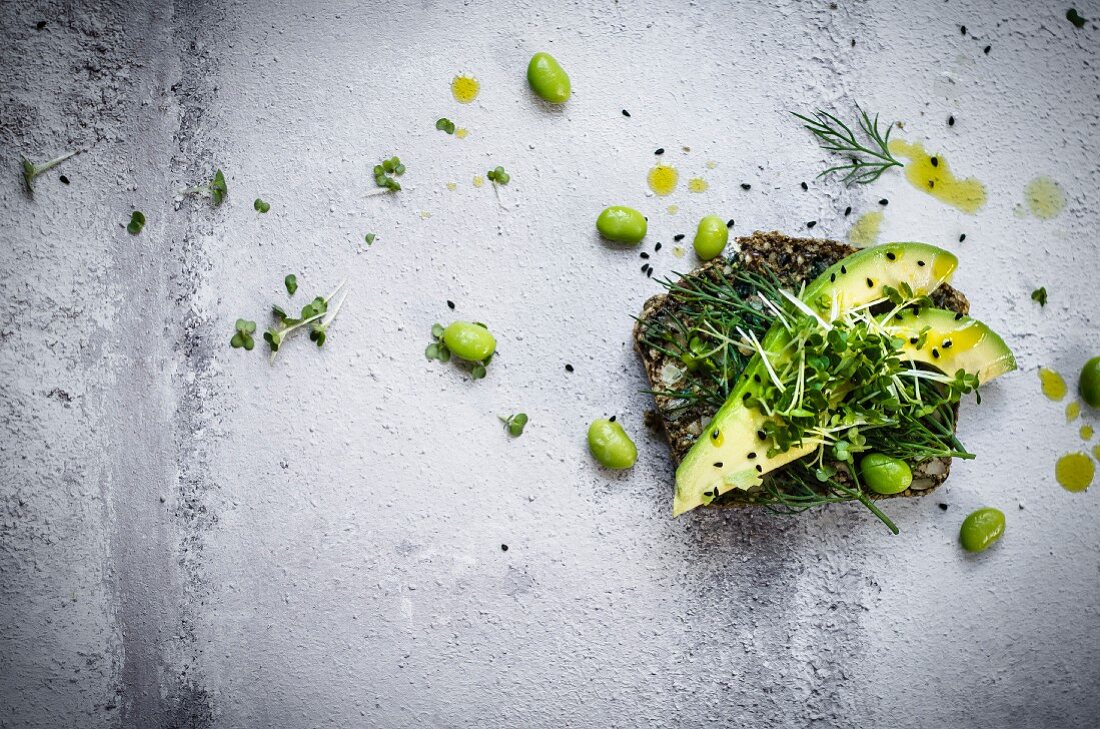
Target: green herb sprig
(514,424)
(32,170)
(216,189)
(867,158)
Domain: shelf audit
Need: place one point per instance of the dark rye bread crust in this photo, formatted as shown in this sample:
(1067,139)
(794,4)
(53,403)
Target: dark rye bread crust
(793,261)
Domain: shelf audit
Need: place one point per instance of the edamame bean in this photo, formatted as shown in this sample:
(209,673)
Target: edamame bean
(885,475)
(472,342)
(610,445)
(711,237)
(548,80)
(981,529)
(1088,385)
(621,224)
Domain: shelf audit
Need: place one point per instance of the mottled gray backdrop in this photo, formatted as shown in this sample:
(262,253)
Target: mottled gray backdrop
(192,537)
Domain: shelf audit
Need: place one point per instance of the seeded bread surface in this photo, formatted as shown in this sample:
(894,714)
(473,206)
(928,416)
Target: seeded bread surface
(793,261)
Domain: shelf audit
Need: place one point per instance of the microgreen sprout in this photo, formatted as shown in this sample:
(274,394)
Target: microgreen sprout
(32,170)
(317,315)
(437,349)
(514,423)
(137,222)
(369,238)
(1040,295)
(291,283)
(867,159)
(384,172)
(261,206)
(216,189)
(242,337)
(498,175)
(445,125)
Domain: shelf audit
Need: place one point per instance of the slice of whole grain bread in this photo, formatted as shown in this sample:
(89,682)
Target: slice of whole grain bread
(793,261)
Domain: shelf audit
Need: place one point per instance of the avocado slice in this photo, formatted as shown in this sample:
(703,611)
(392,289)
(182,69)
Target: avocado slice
(953,342)
(730,452)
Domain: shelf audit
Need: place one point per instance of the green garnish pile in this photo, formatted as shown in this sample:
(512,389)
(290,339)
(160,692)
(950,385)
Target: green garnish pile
(384,172)
(316,315)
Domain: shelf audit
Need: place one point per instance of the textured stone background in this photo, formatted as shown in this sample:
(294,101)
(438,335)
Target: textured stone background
(190,537)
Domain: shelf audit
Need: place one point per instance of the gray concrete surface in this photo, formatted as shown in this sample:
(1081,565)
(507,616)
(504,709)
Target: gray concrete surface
(191,537)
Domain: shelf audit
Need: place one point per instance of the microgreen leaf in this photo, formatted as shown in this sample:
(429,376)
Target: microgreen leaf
(242,335)
(261,206)
(498,175)
(291,283)
(1073,17)
(478,371)
(1040,295)
(32,170)
(514,424)
(369,238)
(445,125)
(216,189)
(137,222)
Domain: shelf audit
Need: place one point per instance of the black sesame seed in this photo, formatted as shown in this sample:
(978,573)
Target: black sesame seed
(715,434)
(935,161)
(883,201)
(963,29)
(504,547)
(962,237)
(913,340)
(811,224)
(987,49)
(943,507)
(40,25)
(947,344)
(844,269)
(761,435)
(935,353)
(805,186)
(626,113)
(853,43)
(649,273)
(950,121)
(568,368)
(832,278)
(718,464)
(759,468)
(746,186)
(644,267)
(756,378)
(931,184)
(729,223)
(870,284)
(659,151)
(657,247)
(958,316)
(920,263)
(746,396)
(891,255)
(847,211)
(643,254)
(612,418)
(64,180)
(450,304)
(678,237)
(752,455)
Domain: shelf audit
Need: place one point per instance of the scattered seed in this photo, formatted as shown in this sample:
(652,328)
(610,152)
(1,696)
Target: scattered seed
(678,237)
(883,201)
(40,25)
(987,49)
(626,113)
(643,254)
(811,224)
(951,121)
(659,151)
(657,247)
(805,186)
(963,29)
(504,547)
(935,161)
(746,186)
(847,211)
(943,507)
(612,418)
(729,223)
(64,180)
(568,368)
(450,304)
(962,237)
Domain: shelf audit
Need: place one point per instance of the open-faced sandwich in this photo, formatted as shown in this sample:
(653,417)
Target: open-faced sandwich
(800,372)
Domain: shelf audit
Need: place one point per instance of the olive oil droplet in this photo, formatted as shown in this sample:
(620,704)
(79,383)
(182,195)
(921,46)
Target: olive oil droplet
(697,184)
(1044,198)
(462,133)
(936,178)
(678,251)
(662,179)
(465,88)
(1073,411)
(478,180)
(864,232)
(1054,387)
(1086,432)
(673,209)
(1074,471)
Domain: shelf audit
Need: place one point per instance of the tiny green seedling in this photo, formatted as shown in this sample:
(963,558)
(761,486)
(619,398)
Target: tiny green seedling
(261,206)
(317,315)
(32,170)
(291,283)
(137,222)
(445,125)
(242,336)
(369,238)
(384,174)
(216,189)
(1040,295)
(514,423)
(498,175)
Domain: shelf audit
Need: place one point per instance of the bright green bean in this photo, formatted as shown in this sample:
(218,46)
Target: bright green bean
(610,445)
(469,341)
(711,237)
(1089,383)
(547,78)
(621,224)
(885,475)
(981,529)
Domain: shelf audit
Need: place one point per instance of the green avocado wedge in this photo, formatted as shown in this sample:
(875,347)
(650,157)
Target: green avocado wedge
(731,452)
